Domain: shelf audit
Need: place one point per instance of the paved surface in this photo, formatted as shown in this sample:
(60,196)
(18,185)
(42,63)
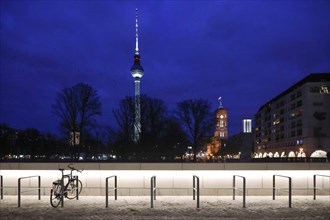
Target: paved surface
(166,207)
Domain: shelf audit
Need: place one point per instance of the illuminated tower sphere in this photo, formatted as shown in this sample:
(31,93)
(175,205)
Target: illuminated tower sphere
(137,72)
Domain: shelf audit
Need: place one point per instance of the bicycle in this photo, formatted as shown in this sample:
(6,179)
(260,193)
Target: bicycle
(71,190)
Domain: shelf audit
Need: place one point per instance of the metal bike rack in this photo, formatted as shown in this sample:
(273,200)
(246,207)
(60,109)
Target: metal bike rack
(196,188)
(1,183)
(235,188)
(19,188)
(77,184)
(107,189)
(62,188)
(152,190)
(314,184)
(62,191)
(290,187)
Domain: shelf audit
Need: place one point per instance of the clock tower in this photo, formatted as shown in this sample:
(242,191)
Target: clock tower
(221,127)
(220,132)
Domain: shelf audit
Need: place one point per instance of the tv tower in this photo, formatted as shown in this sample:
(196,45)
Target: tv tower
(137,72)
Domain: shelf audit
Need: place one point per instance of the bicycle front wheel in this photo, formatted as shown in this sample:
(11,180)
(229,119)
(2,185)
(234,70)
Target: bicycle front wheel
(72,189)
(55,198)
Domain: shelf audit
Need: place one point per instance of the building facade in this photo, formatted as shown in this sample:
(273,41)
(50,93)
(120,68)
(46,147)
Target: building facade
(296,122)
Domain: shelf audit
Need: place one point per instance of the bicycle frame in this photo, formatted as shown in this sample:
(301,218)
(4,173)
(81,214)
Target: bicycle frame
(73,186)
(70,180)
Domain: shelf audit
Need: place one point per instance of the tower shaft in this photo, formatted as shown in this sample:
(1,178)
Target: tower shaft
(137,119)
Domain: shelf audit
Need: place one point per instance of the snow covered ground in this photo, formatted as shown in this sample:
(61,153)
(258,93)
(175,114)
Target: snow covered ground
(167,207)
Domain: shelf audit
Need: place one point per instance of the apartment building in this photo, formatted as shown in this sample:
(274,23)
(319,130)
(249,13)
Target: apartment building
(296,122)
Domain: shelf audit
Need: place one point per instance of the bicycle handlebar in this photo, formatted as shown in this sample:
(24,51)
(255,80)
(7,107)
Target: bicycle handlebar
(72,168)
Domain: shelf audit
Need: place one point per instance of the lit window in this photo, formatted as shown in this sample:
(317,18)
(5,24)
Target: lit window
(277,121)
(324,90)
(247,125)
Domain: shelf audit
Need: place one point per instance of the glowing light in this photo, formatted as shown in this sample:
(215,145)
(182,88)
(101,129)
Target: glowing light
(319,154)
(247,125)
(291,154)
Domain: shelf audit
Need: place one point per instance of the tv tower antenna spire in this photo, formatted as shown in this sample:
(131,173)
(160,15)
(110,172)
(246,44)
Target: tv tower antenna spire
(136,32)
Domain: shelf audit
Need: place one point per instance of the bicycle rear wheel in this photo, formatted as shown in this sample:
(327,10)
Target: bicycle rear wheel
(55,198)
(72,189)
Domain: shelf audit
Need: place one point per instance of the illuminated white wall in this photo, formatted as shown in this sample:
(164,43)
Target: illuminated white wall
(172,179)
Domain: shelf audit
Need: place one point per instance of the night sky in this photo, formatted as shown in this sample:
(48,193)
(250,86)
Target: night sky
(247,52)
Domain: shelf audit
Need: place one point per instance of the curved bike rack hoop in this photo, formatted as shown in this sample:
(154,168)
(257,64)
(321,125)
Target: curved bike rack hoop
(315,185)
(107,189)
(1,183)
(196,188)
(236,188)
(290,187)
(153,190)
(19,188)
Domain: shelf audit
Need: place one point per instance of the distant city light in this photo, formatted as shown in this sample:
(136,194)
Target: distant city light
(247,125)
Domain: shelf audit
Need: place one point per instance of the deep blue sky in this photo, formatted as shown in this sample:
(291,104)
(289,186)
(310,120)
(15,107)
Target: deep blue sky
(245,51)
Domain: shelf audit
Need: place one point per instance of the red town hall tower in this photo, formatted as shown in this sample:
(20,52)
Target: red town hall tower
(220,131)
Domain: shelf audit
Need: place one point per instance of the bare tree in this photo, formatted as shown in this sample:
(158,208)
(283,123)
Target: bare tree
(153,116)
(124,116)
(153,121)
(76,107)
(153,113)
(196,117)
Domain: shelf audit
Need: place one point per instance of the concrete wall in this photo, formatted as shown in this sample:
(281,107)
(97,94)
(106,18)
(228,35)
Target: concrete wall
(172,178)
